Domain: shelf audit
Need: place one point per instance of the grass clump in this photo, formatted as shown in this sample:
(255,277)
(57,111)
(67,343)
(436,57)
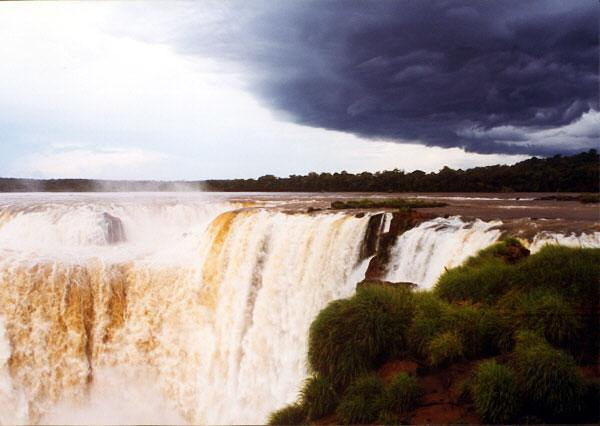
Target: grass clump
(431,316)
(555,291)
(495,392)
(547,377)
(582,198)
(293,414)
(483,278)
(319,397)
(500,301)
(571,272)
(589,198)
(402,394)
(546,313)
(483,331)
(445,348)
(396,203)
(351,336)
(362,401)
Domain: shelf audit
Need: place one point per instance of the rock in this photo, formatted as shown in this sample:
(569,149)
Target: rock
(401,222)
(513,253)
(391,368)
(370,244)
(113,229)
(371,282)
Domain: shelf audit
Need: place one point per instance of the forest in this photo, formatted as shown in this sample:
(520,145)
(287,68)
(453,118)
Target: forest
(576,173)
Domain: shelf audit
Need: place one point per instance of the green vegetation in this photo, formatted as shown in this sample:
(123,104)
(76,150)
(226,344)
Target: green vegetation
(514,327)
(495,392)
(548,378)
(577,173)
(91,185)
(444,348)
(582,198)
(482,278)
(402,394)
(572,273)
(362,401)
(545,312)
(589,198)
(293,414)
(319,397)
(396,203)
(441,331)
(352,336)
(431,315)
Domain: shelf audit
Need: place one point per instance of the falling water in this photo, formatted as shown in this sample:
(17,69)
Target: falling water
(421,254)
(199,314)
(582,240)
(147,309)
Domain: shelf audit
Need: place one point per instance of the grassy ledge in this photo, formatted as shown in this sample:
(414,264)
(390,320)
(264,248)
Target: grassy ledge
(396,203)
(507,337)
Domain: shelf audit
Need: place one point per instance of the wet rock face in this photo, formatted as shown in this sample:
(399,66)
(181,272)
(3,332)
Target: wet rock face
(374,231)
(113,229)
(382,283)
(514,252)
(401,222)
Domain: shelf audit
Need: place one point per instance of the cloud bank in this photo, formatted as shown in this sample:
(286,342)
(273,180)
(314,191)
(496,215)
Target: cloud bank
(74,161)
(490,77)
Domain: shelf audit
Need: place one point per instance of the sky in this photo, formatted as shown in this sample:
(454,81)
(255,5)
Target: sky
(226,89)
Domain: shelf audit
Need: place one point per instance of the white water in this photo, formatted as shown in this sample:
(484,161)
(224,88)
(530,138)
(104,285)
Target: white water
(420,255)
(570,240)
(200,316)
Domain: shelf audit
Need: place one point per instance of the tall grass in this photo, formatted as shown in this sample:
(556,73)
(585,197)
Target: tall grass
(401,203)
(572,272)
(445,348)
(481,330)
(402,394)
(499,301)
(544,311)
(483,278)
(293,414)
(362,401)
(351,336)
(548,378)
(319,397)
(431,317)
(495,392)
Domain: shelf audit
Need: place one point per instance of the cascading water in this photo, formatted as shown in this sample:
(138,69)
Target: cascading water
(420,255)
(174,309)
(571,240)
(200,315)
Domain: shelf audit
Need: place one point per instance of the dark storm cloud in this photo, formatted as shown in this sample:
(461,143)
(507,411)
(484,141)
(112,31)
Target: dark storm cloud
(482,75)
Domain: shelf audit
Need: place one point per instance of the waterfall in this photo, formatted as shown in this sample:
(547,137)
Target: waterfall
(420,255)
(205,326)
(185,309)
(570,240)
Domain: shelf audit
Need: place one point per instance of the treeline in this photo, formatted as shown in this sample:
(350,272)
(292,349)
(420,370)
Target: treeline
(90,185)
(577,173)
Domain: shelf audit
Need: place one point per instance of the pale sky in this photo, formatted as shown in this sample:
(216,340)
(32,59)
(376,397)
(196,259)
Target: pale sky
(104,90)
